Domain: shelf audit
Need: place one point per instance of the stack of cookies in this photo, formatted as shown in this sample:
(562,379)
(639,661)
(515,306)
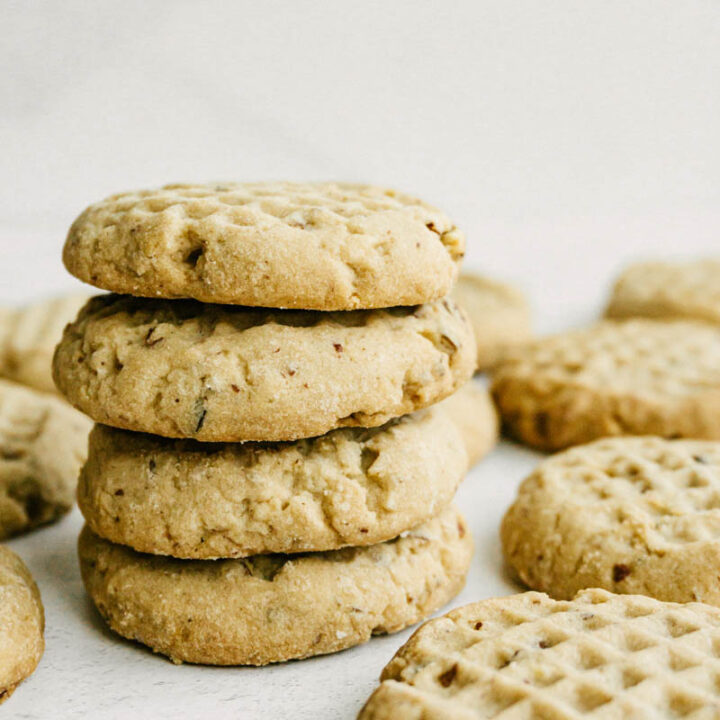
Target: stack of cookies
(267,484)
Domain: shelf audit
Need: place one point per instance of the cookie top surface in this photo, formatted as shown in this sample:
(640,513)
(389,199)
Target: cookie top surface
(271,608)
(499,313)
(314,246)
(471,409)
(28,336)
(638,377)
(219,373)
(205,500)
(668,290)
(22,623)
(627,514)
(528,656)
(43,442)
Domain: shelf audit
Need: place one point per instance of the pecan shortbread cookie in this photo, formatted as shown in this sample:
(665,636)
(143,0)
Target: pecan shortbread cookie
(217,373)
(526,656)
(22,623)
(313,246)
(207,500)
(472,410)
(668,290)
(43,443)
(271,608)
(28,336)
(500,316)
(632,515)
(638,377)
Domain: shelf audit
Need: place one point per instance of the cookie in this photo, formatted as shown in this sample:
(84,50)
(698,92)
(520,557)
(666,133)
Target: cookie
(668,291)
(42,447)
(638,377)
(208,500)
(312,246)
(223,374)
(28,336)
(500,316)
(271,608)
(526,656)
(631,515)
(22,623)
(471,409)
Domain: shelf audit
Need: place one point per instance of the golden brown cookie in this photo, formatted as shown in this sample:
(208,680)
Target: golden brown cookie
(500,315)
(218,373)
(28,336)
(22,623)
(313,246)
(639,377)
(668,290)
(207,500)
(631,515)
(527,657)
(471,409)
(43,443)
(272,608)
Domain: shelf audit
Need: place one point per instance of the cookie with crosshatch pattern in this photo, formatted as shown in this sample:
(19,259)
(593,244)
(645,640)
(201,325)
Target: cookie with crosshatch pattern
(668,290)
(309,246)
(631,515)
(28,336)
(526,656)
(637,377)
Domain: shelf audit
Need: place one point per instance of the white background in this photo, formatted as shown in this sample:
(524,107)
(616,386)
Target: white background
(564,137)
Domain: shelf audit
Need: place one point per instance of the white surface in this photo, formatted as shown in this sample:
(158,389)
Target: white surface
(565,138)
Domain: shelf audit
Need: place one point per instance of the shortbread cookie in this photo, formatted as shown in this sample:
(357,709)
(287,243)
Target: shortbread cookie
(526,656)
(271,608)
(43,443)
(28,336)
(207,500)
(500,316)
(471,409)
(22,623)
(313,246)
(213,373)
(632,515)
(639,377)
(668,291)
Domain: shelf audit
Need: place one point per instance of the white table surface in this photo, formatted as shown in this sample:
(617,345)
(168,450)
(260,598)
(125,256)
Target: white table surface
(565,138)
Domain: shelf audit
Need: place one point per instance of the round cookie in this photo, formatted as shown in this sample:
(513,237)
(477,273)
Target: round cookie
(499,314)
(632,515)
(668,291)
(208,500)
(22,623)
(312,246)
(599,655)
(639,377)
(224,374)
(471,409)
(43,444)
(272,608)
(28,336)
